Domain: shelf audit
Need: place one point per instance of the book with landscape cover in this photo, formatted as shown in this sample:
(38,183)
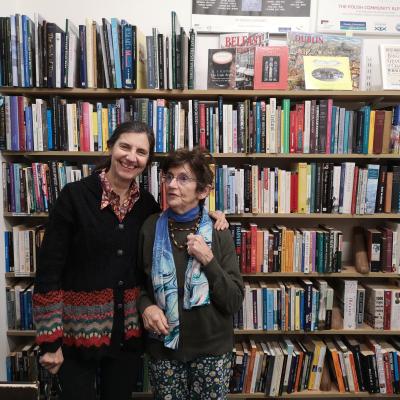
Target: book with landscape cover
(314,44)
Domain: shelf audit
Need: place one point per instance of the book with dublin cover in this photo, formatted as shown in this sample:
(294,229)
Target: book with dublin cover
(327,73)
(316,44)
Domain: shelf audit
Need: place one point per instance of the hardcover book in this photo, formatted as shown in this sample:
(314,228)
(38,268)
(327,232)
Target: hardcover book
(313,44)
(327,73)
(271,67)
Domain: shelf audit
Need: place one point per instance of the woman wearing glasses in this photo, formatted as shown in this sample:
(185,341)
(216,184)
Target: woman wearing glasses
(193,287)
(87,283)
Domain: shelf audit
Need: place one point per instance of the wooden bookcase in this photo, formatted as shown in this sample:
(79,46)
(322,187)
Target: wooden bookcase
(376,99)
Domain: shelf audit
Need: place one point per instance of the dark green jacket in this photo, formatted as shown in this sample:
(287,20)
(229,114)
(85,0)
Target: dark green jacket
(206,330)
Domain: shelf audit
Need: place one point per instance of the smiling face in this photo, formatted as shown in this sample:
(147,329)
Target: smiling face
(183,196)
(129,157)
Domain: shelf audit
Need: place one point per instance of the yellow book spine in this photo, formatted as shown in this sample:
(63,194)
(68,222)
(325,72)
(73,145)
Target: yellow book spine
(302,188)
(371,131)
(104,124)
(314,366)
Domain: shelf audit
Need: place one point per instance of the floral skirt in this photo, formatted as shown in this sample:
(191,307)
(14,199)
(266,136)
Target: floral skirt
(203,378)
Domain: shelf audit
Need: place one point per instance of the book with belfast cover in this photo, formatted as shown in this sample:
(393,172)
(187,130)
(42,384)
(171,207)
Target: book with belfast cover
(390,66)
(327,73)
(315,44)
(271,67)
(243,39)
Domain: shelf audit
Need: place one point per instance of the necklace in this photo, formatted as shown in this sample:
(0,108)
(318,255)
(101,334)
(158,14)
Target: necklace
(173,228)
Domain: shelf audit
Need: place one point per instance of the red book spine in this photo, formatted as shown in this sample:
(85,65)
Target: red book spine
(329,127)
(243,252)
(202,109)
(253,252)
(354,194)
(293,135)
(300,128)
(387,310)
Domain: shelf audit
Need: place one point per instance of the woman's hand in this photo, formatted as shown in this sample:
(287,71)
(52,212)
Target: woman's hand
(154,320)
(199,249)
(220,221)
(52,361)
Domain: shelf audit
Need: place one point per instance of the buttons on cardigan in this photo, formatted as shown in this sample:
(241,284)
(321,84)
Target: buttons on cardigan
(120,283)
(120,252)
(121,227)
(120,306)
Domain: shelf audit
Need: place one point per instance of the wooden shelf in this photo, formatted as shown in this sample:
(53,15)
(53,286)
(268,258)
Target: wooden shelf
(254,216)
(258,156)
(13,275)
(366,330)
(209,94)
(306,394)
(348,271)
(17,332)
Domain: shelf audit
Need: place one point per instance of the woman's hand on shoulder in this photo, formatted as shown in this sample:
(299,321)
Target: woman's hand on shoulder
(221,222)
(199,249)
(154,320)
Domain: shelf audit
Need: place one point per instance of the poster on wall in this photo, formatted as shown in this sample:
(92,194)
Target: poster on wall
(275,16)
(377,17)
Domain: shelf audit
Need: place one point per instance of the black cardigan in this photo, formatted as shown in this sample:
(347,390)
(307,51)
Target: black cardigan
(86,282)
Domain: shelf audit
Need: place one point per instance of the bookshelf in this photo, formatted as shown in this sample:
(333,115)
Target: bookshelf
(376,99)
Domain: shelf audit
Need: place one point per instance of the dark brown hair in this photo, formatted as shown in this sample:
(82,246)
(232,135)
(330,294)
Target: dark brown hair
(129,127)
(198,161)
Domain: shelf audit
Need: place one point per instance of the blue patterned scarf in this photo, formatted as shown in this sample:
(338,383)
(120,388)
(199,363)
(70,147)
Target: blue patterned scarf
(163,273)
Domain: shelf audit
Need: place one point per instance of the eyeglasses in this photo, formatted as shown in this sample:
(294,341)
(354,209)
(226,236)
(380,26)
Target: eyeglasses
(181,179)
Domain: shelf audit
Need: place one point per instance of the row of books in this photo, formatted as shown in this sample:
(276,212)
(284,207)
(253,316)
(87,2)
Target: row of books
(21,246)
(344,188)
(284,249)
(116,54)
(19,305)
(279,367)
(307,188)
(262,126)
(308,305)
(34,188)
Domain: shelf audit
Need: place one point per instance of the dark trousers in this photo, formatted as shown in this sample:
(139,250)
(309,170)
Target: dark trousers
(118,376)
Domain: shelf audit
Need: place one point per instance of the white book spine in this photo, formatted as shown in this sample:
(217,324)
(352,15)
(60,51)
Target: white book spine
(350,304)
(307,126)
(348,187)
(272,125)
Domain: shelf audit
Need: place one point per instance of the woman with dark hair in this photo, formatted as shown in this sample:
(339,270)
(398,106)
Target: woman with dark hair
(192,287)
(87,282)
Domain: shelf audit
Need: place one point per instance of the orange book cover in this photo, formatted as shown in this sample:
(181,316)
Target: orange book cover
(250,366)
(353,371)
(271,67)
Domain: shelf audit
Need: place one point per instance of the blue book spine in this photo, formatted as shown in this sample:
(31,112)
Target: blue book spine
(150,64)
(346,145)
(49,116)
(150,114)
(258,127)
(160,129)
(29,316)
(14,123)
(211,128)
(7,250)
(333,126)
(342,175)
(270,310)
(25,49)
(372,186)
(99,108)
(265,307)
(367,116)
(396,367)
(127,61)
(22,310)
(9,370)
(117,57)
(17,188)
(12,187)
(29,128)
(110,126)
